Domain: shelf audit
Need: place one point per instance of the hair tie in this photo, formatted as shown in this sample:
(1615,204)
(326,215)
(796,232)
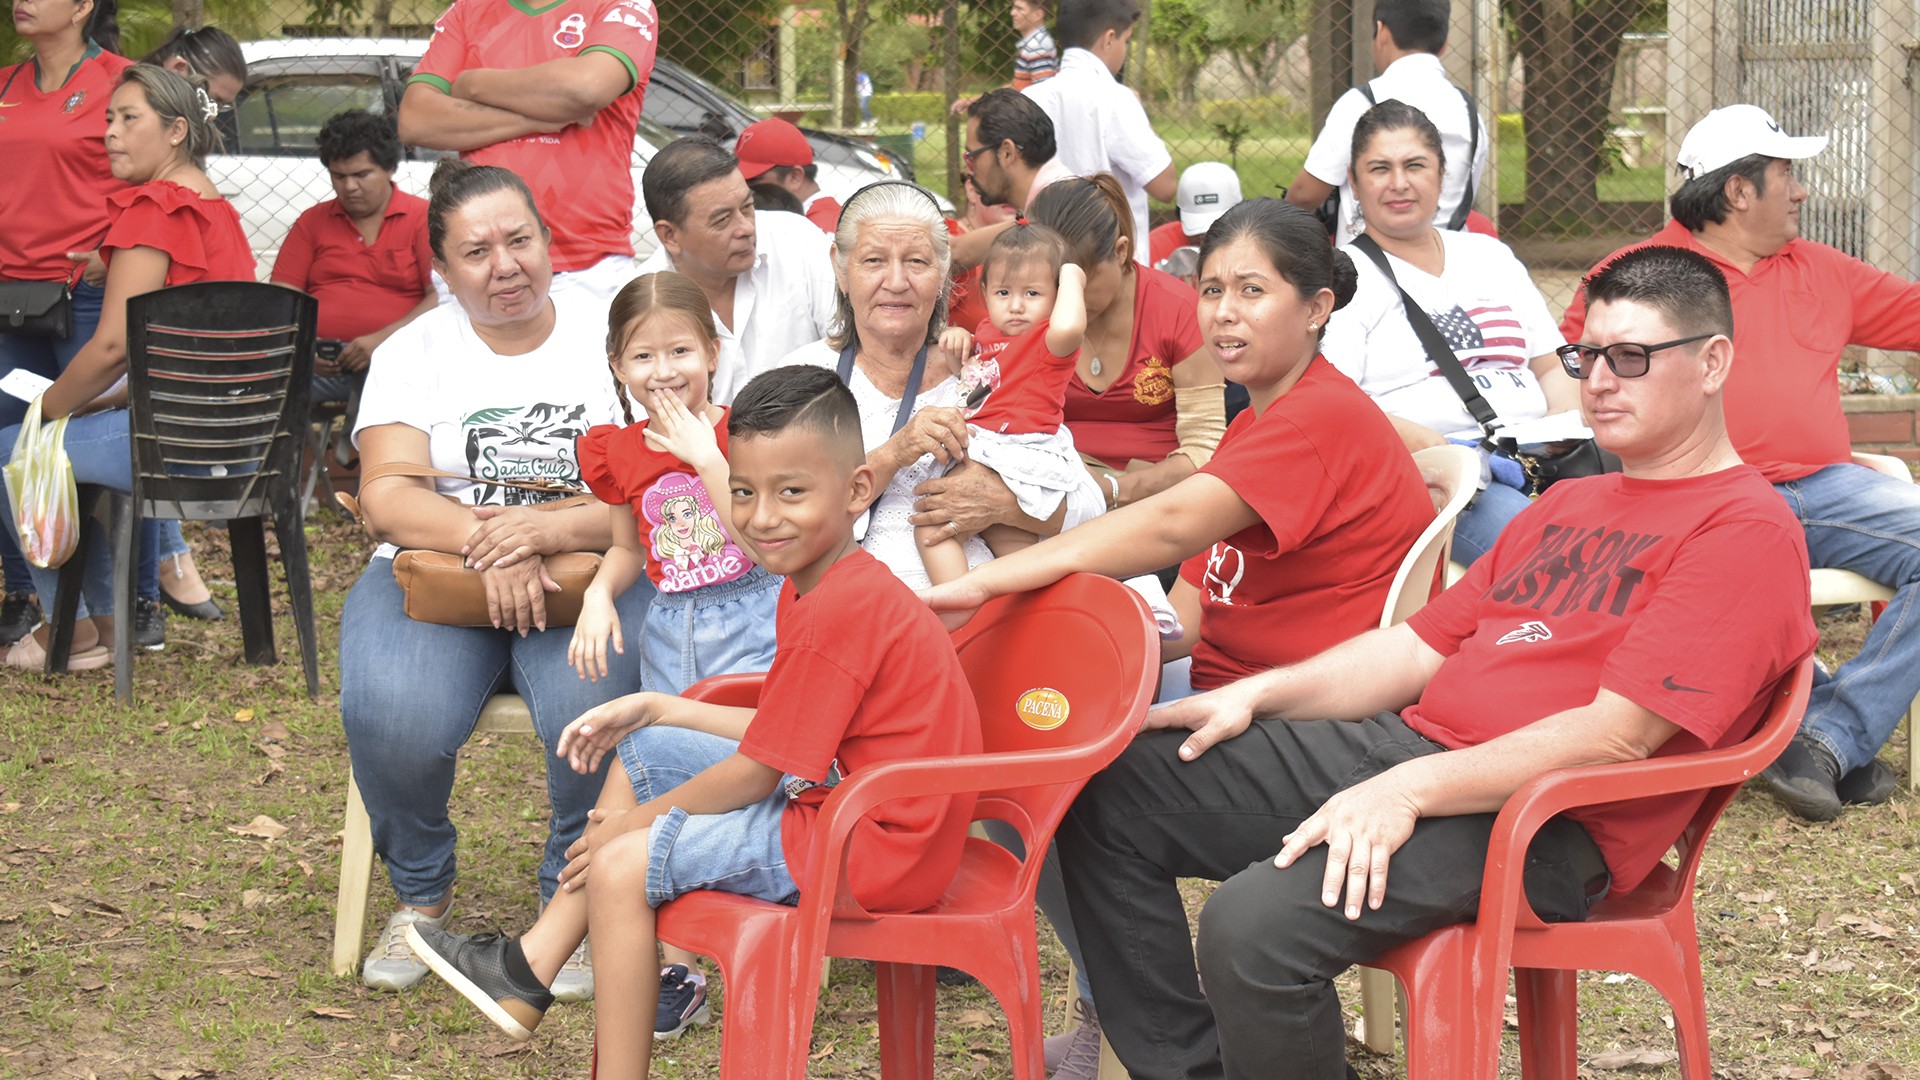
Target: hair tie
(208,107)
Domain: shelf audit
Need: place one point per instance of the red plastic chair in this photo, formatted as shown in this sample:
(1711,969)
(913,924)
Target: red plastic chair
(1089,641)
(1456,979)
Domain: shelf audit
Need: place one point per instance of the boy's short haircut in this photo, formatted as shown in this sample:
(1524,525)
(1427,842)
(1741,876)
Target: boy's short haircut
(799,395)
(1684,286)
(1024,243)
(1418,25)
(1082,22)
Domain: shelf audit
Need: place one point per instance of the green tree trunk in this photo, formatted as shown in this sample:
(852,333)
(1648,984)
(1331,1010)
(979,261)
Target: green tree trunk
(1571,47)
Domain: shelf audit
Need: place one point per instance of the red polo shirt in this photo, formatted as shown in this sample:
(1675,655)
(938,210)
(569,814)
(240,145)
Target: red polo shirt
(361,287)
(1793,314)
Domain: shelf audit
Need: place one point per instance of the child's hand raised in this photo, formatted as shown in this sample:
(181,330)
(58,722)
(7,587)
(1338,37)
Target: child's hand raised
(598,622)
(674,429)
(956,348)
(586,741)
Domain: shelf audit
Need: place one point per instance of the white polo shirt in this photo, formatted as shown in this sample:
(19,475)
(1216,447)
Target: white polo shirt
(784,302)
(1099,126)
(1421,81)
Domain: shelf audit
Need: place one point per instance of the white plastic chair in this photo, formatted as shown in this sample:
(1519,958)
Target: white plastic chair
(1832,588)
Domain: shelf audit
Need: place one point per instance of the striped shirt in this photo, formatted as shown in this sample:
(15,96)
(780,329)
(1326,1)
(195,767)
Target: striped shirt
(1037,59)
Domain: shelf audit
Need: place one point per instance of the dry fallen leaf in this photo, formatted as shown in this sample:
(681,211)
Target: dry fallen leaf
(328,1012)
(263,973)
(494,1050)
(1627,1059)
(9,808)
(1765,896)
(181,1074)
(822,1053)
(274,731)
(252,898)
(59,911)
(306,868)
(244,716)
(975,1018)
(92,986)
(261,826)
(192,920)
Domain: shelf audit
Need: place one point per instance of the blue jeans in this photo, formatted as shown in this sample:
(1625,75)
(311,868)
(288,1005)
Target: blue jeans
(410,694)
(737,852)
(712,630)
(46,357)
(1859,520)
(100,449)
(1479,525)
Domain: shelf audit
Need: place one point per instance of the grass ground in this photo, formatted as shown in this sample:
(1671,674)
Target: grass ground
(153,926)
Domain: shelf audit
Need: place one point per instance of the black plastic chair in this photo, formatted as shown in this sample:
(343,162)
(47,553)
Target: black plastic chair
(219,375)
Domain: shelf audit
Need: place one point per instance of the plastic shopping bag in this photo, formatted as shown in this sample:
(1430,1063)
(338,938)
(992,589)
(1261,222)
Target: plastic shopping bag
(40,488)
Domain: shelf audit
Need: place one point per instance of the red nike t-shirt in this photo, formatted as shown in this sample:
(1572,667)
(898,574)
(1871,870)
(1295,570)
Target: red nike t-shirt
(1688,597)
(581,177)
(1029,382)
(1340,504)
(686,545)
(56,182)
(864,674)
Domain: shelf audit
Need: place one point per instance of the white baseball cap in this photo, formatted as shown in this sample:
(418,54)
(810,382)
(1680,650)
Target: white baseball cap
(1726,135)
(1206,191)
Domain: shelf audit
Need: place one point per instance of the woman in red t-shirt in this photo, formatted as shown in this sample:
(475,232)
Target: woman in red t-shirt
(1147,404)
(54,190)
(170,227)
(1292,532)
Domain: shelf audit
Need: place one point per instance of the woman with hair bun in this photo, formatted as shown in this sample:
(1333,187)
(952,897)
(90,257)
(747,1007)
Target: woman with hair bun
(206,51)
(171,227)
(1290,535)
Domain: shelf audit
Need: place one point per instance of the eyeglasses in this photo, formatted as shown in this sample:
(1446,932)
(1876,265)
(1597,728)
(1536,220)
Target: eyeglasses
(967,156)
(1628,359)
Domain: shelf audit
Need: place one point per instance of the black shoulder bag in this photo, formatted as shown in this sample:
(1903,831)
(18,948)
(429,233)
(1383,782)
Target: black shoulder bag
(1543,463)
(34,308)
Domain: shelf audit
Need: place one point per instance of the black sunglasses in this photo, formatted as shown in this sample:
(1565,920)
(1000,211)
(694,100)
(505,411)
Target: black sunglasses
(1628,359)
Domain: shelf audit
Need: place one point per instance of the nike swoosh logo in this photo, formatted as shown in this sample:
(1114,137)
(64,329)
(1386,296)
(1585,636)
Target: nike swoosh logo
(1671,685)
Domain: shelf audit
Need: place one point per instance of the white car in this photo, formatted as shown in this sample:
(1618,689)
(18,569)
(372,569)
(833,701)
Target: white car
(271,168)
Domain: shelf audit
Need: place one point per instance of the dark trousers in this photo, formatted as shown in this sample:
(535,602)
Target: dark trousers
(1268,949)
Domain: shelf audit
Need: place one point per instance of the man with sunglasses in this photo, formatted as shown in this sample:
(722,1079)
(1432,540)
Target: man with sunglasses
(1597,630)
(1797,305)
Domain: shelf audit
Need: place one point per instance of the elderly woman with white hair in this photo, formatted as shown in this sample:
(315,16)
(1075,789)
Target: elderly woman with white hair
(891,264)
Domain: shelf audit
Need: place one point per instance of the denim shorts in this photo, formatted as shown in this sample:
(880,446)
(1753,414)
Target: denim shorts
(737,852)
(712,630)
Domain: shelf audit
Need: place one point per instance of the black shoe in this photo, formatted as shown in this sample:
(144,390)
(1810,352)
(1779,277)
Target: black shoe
(948,976)
(1869,785)
(205,610)
(1804,778)
(482,968)
(149,624)
(19,614)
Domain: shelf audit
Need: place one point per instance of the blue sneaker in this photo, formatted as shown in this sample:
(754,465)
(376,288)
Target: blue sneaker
(683,1001)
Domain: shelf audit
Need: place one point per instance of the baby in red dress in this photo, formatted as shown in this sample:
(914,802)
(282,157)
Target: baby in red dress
(1026,351)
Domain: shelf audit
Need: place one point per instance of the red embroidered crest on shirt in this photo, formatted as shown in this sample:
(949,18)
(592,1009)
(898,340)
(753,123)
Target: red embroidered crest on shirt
(1154,384)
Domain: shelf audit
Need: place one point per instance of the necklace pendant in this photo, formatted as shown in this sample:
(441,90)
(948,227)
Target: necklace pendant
(1093,365)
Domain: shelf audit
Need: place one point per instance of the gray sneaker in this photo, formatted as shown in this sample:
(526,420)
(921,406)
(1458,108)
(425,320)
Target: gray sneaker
(575,981)
(1075,1054)
(392,965)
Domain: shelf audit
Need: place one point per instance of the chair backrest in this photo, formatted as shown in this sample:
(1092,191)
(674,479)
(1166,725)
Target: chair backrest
(1769,739)
(1452,474)
(219,375)
(1070,666)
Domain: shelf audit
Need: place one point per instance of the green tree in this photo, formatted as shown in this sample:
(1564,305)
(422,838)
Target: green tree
(1570,49)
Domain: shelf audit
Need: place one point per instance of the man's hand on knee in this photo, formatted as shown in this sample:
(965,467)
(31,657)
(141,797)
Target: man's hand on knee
(1362,827)
(1213,717)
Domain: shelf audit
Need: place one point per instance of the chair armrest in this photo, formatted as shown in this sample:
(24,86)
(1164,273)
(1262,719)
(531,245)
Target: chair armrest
(1554,792)
(1884,463)
(741,690)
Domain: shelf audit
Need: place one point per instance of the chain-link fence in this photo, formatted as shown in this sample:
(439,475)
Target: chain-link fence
(1587,99)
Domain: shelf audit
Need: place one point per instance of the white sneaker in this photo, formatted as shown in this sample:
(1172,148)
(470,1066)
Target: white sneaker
(575,981)
(392,965)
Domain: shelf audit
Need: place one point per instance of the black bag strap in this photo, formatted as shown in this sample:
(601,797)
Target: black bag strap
(16,74)
(1436,345)
(1460,212)
(914,379)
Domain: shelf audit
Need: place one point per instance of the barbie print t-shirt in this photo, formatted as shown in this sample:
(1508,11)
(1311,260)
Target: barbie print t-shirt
(680,528)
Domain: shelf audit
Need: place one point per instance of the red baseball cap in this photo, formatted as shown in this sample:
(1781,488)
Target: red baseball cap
(766,144)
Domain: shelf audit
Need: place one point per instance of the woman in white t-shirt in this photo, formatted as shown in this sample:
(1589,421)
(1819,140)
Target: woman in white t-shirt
(1476,292)
(494,389)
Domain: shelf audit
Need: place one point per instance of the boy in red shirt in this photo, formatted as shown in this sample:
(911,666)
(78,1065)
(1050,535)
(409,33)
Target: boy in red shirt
(1028,347)
(863,674)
